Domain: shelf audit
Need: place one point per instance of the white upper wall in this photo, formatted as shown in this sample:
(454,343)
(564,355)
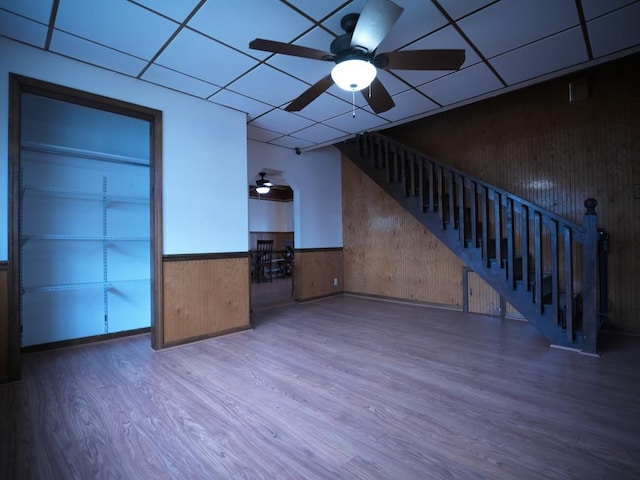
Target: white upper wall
(315,178)
(202,142)
(270,216)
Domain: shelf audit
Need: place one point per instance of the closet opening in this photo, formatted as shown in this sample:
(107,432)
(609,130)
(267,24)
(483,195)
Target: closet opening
(84,248)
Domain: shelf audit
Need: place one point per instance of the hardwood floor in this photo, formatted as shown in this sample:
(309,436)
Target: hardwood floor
(269,294)
(342,388)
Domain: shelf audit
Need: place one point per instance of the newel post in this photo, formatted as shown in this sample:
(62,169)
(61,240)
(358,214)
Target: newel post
(590,279)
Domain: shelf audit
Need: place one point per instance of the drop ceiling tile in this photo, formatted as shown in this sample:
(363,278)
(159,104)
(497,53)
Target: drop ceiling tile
(319,133)
(261,134)
(253,108)
(362,121)
(306,69)
(457,9)
(178,81)
(178,11)
(462,85)
(317,10)
(291,142)
(326,106)
(237,25)
(545,56)
(199,56)
(269,85)
(280,121)
(445,38)
(595,8)
(95,54)
(38,10)
(511,24)
(418,19)
(408,104)
(22,29)
(116,24)
(616,31)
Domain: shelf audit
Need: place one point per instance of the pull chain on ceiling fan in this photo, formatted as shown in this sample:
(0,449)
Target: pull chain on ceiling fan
(354,54)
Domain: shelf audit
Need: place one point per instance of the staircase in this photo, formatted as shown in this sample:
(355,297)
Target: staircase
(543,264)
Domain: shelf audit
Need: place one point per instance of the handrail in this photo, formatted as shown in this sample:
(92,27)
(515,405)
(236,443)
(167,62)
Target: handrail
(522,201)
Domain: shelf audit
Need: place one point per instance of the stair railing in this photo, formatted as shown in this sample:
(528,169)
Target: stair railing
(534,248)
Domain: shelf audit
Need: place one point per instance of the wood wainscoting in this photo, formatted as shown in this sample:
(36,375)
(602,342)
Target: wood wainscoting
(318,272)
(204,296)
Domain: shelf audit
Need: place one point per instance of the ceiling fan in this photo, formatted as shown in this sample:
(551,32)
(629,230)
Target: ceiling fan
(354,54)
(263,185)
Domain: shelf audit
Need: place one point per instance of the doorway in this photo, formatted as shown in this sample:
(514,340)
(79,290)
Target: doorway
(271,219)
(84,250)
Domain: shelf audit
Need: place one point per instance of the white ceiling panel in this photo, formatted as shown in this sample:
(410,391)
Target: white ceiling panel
(38,10)
(115,24)
(418,19)
(261,134)
(540,58)
(511,24)
(462,85)
(408,104)
(595,8)
(176,10)
(319,133)
(269,85)
(253,108)
(198,56)
(22,29)
(236,24)
(362,121)
(291,142)
(281,121)
(457,9)
(179,81)
(615,31)
(95,54)
(526,41)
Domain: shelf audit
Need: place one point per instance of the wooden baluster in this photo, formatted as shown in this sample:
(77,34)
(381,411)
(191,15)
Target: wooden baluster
(411,160)
(497,200)
(590,279)
(461,210)
(440,195)
(555,272)
(537,258)
(524,231)
(484,215)
(568,280)
(451,197)
(387,161)
(432,205)
(473,196)
(511,258)
(422,194)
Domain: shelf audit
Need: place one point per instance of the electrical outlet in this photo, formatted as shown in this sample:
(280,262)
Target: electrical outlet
(335,282)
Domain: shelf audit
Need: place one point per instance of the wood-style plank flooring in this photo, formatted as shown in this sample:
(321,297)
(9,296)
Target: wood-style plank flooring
(342,388)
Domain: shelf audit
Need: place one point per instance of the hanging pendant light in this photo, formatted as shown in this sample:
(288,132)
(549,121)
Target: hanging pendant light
(263,186)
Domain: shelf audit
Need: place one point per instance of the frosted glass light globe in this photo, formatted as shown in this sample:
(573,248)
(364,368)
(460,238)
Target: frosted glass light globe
(353,75)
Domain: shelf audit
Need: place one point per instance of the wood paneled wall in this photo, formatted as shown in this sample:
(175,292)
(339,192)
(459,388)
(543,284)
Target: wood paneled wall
(4,326)
(389,253)
(314,272)
(204,298)
(537,144)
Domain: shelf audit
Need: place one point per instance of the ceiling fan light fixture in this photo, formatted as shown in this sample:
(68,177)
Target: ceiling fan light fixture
(354,74)
(263,189)
(263,186)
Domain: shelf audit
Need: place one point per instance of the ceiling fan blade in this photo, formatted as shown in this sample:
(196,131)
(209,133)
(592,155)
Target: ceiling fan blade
(379,100)
(310,94)
(421,60)
(287,49)
(375,22)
